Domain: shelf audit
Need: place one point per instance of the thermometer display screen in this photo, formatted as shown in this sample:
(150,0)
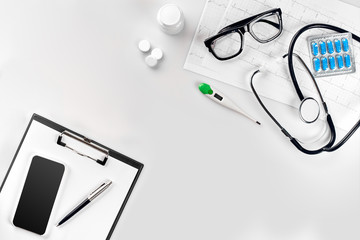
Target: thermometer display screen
(218,96)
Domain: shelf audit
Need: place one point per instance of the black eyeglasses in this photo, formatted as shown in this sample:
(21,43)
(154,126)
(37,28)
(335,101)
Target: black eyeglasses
(229,41)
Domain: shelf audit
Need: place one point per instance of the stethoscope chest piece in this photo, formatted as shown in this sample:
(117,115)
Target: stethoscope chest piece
(309,110)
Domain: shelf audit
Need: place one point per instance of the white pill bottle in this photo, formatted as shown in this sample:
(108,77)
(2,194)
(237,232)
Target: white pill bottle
(171,19)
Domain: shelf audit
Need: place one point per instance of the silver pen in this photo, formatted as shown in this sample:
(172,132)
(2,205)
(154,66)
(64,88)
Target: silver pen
(90,198)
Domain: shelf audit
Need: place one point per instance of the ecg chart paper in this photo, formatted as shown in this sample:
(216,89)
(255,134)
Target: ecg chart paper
(342,92)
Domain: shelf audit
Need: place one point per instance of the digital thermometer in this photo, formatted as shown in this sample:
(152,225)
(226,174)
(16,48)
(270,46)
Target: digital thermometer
(220,98)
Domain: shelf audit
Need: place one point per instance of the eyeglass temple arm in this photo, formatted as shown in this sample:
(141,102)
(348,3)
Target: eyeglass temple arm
(246,21)
(238,24)
(276,25)
(241,24)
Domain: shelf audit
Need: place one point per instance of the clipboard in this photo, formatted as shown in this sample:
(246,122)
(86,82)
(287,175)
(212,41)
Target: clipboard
(87,164)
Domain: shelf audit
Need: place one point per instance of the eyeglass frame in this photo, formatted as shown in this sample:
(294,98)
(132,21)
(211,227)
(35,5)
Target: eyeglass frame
(242,27)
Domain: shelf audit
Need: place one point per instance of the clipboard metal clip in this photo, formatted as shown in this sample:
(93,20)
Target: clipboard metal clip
(86,141)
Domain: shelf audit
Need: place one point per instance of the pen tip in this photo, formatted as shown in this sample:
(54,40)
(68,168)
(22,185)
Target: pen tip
(258,122)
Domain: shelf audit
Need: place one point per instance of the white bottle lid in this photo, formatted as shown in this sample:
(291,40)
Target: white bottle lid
(171,19)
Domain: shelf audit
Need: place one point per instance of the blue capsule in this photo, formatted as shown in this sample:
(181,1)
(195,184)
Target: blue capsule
(337,45)
(340,61)
(316,62)
(347,60)
(345,44)
(332,62)
(322,47)
(315,48)
(324,63)
(330,46)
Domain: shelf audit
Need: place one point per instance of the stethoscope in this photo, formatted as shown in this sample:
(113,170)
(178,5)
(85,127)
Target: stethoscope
(309,108)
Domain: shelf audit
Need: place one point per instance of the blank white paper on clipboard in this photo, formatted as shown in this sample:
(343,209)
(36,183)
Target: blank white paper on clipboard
(81,176)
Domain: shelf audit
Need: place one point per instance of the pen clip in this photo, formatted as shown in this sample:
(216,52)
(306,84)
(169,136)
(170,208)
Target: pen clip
(99,190)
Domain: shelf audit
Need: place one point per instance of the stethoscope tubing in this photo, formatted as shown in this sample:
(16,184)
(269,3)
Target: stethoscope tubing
(293,140)
(295,82)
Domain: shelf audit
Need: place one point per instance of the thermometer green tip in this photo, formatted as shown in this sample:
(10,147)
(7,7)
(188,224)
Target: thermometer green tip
(205,88)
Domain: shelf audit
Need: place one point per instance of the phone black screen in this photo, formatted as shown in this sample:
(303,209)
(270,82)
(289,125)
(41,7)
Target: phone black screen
(38,195)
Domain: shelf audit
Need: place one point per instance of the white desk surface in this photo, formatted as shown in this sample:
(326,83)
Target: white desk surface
(209,173)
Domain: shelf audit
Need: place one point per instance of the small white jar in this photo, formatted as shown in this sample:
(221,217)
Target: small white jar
(171,19)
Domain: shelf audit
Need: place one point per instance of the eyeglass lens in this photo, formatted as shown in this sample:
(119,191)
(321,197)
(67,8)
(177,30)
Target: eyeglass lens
(266,27)
(227,45)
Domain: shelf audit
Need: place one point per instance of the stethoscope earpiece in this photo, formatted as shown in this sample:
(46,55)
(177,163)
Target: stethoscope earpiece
(309,110)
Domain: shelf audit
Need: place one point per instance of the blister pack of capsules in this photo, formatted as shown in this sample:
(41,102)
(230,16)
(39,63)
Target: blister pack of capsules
(331,54)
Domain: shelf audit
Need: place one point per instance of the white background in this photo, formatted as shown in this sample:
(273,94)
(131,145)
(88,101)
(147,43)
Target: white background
(209,173)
